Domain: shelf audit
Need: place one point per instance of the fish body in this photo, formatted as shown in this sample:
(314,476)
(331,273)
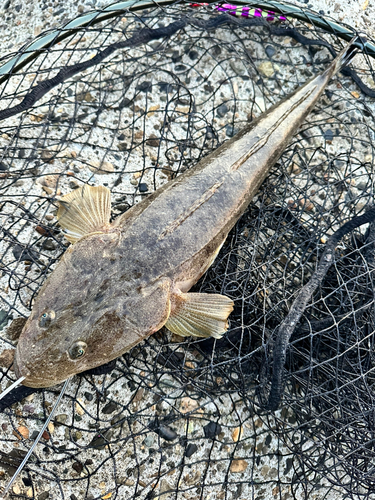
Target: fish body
(120,282)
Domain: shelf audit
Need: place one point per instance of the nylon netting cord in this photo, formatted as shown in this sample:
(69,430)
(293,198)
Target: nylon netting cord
(131,103)
(147,35)
(298,307)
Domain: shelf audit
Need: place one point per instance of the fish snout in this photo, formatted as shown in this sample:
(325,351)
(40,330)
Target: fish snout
(19,368)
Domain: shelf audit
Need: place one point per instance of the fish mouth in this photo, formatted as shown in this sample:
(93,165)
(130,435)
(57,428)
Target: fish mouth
(29,381)
(19,369)
(36,382)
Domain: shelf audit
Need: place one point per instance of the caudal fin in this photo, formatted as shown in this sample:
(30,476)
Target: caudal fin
(346,55)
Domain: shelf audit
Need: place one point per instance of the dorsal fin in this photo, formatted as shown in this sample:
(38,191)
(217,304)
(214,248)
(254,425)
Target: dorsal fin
(83,211)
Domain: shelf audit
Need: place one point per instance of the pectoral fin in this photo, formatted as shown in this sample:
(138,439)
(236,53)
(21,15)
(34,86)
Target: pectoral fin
(83,211)
(199,314)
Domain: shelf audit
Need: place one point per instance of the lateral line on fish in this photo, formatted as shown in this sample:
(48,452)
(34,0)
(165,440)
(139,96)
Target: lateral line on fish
(262,142)
(185,215)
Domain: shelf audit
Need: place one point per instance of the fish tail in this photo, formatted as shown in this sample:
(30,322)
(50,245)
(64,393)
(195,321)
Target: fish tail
(355,45)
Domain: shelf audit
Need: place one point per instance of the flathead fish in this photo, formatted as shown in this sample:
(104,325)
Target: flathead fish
(122,281)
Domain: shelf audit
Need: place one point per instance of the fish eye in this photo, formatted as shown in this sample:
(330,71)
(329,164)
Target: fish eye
(77,350)
(46,318)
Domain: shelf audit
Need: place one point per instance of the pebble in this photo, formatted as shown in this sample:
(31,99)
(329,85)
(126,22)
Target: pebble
(177,339)
(176,56)
(148,441)
(4,318)
(26,481)
(78,467)
(48,190)
(49,181)
(188,405)
(89,396)
(122,207)
(49,244)
(16,489)
(79,407)
(222,110)
(306,204)
(236,434)
(45,436)
(166,432)
(164,488)
(47,156)
(34,435)
(122,146)
(29,408)
(211,430)
(362,185)
(328,136)
(101,167)
(152,141)
(77,436)
(270,51)
(41,230)
(144,86)
(231,131)
(139,395)
(267,69)
(143,187)
(22,432)
(59,11)
(190,450)
(73,185)
(238,465)
(152,109)
(85,96)
(3,166)
(109,408)
(238,67)
(125,103)
(61,418)
(44,495)
(191,479)
(294,169)
(21,253)
(99,442)
(180,68)
(193,55)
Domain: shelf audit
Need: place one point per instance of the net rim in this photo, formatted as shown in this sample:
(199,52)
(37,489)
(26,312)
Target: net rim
(45,41)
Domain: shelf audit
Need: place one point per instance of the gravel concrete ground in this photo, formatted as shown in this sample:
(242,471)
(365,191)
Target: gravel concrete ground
(20,23)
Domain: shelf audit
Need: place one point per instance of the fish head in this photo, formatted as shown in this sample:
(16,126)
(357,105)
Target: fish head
(83,318)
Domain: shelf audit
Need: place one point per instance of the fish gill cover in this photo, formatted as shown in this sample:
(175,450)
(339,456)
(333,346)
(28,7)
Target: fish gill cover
(130,103)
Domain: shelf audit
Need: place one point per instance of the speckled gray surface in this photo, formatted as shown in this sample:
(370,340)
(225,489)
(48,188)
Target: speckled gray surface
(20,23)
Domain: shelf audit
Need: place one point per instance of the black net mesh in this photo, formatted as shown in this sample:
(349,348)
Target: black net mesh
(130,103)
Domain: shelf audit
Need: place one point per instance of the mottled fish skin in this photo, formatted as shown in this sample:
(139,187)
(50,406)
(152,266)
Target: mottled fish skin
(117,286)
